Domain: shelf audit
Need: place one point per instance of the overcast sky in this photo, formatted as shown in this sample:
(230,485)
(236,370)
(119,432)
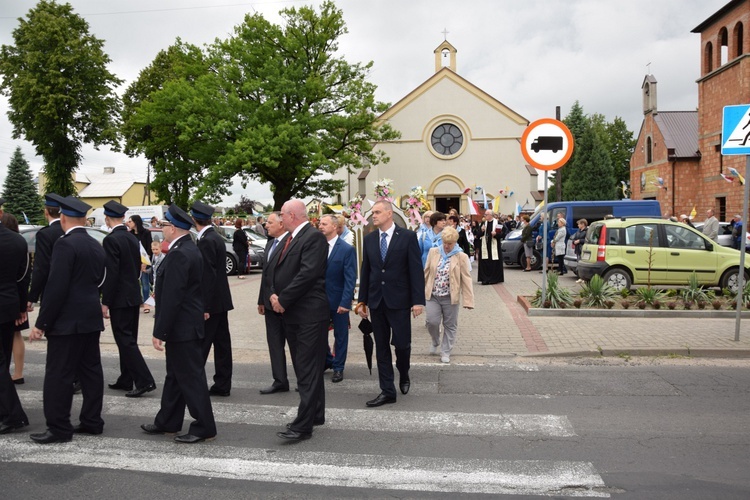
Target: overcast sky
(531,55)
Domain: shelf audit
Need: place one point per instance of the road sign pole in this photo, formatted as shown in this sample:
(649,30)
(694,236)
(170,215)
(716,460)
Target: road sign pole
(545,230)
(743,238)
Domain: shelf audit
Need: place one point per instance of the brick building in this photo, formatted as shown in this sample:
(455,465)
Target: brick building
(683,148)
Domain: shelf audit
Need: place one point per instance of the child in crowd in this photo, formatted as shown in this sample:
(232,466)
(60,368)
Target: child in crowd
(156,259)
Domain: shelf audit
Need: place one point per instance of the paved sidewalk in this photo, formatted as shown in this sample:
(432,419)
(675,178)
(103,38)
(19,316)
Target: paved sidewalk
(498,328)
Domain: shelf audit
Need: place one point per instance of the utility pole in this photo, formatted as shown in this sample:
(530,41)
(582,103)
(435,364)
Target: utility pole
(558,173)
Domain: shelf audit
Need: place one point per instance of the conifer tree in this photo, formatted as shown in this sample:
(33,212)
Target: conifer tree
(19,191)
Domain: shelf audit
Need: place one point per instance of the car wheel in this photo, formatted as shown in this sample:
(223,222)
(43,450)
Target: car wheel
(730,279)
(618,279)
(231,265)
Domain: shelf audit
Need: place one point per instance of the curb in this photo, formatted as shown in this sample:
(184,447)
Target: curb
(682,351)
(628,313)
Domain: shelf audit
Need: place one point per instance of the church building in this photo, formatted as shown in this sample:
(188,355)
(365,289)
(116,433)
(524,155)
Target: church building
(454,136)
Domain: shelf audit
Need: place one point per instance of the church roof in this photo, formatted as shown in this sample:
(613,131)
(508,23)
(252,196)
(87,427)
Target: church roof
(680,132)
(447,73)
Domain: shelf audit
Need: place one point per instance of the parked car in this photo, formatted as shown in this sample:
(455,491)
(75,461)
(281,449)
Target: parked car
(640,251)
(725,234)
(256,258)
(29,234)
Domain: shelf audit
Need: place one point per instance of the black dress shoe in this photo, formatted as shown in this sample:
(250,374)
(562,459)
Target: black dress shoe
(315,423)
(6,428)
(294,435)
(190,439)
(48,438)
(272,390)
(338,376)
(217,392)
(85,429)
(137,393)
(381,400)
(154,429)
(120,387)
(18,381)
(404,385)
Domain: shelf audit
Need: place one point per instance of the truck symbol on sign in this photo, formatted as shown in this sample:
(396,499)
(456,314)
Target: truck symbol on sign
(547,142)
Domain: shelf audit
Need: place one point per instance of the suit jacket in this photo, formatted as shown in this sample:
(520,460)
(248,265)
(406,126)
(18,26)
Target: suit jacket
(179,303)
(13,274)
(269,263)
(216,295)
(71,298)
(341,275)
(45,241)
(397,283)
(121,287)
(299,277)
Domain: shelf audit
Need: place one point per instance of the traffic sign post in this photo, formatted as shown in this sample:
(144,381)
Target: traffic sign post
(735,140)
(547,144)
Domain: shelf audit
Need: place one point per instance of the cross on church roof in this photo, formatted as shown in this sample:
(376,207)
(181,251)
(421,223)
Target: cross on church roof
(445,34)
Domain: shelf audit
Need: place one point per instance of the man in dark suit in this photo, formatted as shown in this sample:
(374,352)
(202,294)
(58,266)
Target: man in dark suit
(341,276)
(71,319)
(275,335)
(180,323)
(121,301)
(298,293)
(13,290)
(391,284)
(217,299)
(45,241)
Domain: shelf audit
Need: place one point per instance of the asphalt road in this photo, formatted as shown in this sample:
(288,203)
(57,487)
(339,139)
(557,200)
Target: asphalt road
(516,429)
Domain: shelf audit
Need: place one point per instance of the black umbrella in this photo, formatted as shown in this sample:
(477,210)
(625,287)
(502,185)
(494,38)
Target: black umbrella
(366,328)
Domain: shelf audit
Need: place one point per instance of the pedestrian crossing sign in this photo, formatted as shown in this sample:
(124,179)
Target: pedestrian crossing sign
(735,130)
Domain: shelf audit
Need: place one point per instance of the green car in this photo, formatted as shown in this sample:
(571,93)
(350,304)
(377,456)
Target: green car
(638,251)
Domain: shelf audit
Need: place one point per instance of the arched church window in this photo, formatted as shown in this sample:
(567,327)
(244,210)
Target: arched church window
(447,139)
(709,57)
(723,47)
(738,40)
(649,150)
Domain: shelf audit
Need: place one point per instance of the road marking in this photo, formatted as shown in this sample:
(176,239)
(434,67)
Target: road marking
(445,475)
(443,423)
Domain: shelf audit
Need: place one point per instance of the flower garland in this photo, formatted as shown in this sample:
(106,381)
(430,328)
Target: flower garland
(414,204)
(354,207)
(383,189)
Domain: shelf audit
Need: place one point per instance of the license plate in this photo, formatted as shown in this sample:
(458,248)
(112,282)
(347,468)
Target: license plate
(586,256)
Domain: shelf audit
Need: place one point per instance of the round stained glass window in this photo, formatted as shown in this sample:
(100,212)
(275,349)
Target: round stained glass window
(447,139)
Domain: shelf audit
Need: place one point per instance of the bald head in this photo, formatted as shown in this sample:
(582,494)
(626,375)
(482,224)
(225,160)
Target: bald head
(293,213)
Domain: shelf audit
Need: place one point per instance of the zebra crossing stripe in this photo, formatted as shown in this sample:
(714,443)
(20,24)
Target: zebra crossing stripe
(444,475)
(443,423)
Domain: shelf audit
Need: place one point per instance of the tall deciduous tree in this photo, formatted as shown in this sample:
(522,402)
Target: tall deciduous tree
(275,105)
(19,191)
(620,143)
(592,176)
(60,91)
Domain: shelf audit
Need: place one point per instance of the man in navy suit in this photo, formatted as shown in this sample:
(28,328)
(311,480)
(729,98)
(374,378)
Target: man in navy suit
(46,238)
(71,319)
(391,284)
(298,293)
(341,275)
(179,323)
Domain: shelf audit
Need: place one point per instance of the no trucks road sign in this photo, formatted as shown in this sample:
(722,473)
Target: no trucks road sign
(547,144)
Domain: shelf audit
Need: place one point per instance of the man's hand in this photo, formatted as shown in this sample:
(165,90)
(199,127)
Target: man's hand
(206,316)
(21,318)
(261,309)
(417,310)
(157,344)
(342,310)
(361,309)
(36,334)
(105,311)
(29,306)
(276,305)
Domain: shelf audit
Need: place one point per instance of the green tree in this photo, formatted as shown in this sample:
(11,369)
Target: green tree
(60,92)
(620,144)
(576,121)
(592,176)
(276,106)
(19,191)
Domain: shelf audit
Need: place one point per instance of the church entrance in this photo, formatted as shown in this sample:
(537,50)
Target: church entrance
(445,203)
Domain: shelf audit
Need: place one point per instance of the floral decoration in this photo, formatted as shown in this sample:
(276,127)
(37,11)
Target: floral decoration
(416,201)
(354,207)
(384,190)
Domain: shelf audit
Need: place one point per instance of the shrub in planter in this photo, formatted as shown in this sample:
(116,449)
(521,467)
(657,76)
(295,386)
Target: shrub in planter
(716,304)
(609,303)
(625,304)
(671,305)
(656,304)
(687,305)
(701,304)
(577,303)
(641,304)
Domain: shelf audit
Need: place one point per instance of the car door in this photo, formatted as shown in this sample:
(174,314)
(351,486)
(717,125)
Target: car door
(644,254)
(688,253)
